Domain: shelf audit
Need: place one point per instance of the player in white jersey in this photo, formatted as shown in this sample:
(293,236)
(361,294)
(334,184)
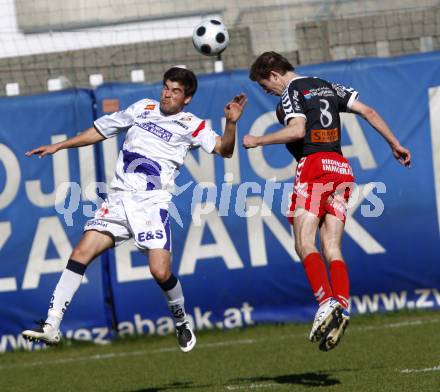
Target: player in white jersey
(158,137)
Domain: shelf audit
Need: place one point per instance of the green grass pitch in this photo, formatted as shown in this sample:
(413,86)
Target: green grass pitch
(394,352)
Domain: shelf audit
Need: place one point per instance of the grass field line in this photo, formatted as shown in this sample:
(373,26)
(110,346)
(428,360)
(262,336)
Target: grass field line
(251,386)
(124,354)
(432,369)
(398,324)
(224,343)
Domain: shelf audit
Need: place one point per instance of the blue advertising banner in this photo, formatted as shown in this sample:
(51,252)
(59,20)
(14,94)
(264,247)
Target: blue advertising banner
(233,249)
(232,245)
(35,239)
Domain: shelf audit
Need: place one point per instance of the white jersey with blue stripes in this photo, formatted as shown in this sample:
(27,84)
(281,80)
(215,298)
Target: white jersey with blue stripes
(155,145)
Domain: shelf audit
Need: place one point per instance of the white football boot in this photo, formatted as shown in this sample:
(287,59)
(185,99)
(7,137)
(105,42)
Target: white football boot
(185,336)
(44,333)
(336,331)
(326,314)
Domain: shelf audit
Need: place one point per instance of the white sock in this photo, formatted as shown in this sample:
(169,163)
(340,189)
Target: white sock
(69,282)
(174,295)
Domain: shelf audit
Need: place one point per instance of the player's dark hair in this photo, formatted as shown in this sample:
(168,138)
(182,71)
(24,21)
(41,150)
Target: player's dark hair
(267,62)
(185,77)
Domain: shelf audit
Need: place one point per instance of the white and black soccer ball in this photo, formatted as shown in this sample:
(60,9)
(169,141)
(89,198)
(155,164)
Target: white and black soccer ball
(210,37)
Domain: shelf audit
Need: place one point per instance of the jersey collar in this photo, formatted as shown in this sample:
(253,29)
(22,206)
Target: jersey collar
(293,79)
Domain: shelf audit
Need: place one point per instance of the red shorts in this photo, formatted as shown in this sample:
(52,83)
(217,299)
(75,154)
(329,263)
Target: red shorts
(323,183)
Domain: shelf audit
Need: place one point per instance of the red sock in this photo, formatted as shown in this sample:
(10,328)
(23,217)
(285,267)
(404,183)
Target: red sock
(316,273)
(340,281)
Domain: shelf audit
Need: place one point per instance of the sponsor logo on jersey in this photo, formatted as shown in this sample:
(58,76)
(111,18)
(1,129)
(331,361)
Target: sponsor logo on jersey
(181,124)
(186,118)
(150,106)
(155,130)
(324,135)
(341,90)
(307,94)
(318,92)
(143,115)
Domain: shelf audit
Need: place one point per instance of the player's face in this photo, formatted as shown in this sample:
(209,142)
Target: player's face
(272,85)
(172,98)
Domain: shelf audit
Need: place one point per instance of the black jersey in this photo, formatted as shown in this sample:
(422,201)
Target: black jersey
(319,102)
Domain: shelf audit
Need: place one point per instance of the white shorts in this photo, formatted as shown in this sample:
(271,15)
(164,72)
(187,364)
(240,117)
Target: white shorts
(142,216)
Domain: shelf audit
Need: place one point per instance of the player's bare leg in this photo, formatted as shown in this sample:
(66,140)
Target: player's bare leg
(305,227)
(160,267)
(91,245)
(331,232)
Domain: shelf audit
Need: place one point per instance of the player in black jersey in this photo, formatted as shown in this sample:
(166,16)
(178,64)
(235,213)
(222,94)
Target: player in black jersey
(309,111)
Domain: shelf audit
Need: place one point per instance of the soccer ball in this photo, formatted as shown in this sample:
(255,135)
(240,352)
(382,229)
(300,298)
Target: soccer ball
(210,37)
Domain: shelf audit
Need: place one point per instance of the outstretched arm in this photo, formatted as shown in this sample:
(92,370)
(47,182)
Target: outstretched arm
(89,136)
(399,152)
(295,130)
(224,145)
